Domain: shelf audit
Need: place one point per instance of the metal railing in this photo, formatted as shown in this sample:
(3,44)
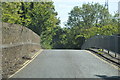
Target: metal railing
(110,43)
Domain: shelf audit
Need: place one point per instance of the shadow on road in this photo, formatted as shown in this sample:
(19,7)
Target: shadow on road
(105,77)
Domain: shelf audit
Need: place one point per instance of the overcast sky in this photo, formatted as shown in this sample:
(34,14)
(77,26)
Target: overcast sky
(63,7)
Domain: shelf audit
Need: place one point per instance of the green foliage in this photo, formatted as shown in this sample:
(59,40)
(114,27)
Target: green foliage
(83,22)
(100,49)
(92,19)
(9,12)
(88,15)
(67,39)
(104,30)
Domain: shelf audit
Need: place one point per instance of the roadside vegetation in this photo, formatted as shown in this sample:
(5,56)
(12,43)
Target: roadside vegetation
(83,22)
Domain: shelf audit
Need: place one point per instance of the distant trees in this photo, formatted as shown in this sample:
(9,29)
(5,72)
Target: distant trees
(88,15)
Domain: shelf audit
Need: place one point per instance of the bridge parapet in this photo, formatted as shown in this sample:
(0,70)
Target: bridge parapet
(110,43)
(17,42)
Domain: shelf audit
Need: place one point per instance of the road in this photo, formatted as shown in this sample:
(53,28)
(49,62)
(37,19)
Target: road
(67,64)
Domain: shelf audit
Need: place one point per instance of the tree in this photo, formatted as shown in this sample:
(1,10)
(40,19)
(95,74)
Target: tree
(38,16)
(88,15)
(44,17)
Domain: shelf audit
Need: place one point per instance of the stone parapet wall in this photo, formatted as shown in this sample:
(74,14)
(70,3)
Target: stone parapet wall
(13,33)
(17,42)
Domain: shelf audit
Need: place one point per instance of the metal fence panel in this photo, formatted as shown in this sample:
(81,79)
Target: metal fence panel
(111,43)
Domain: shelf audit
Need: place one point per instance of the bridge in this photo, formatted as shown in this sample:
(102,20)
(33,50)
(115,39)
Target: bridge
(55,63)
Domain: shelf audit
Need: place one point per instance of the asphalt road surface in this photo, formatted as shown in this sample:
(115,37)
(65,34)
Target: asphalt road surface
(67,64)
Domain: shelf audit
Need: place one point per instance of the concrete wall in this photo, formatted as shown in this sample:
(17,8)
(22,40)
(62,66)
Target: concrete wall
(17,42)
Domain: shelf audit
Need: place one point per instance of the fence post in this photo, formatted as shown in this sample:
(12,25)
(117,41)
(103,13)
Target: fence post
(108,51)
(108,44)
(116,45)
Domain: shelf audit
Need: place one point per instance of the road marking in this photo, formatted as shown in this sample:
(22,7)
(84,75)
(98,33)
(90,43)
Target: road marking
(104,60)
(27,62)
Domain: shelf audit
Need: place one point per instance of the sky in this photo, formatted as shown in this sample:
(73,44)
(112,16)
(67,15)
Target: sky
(63,7)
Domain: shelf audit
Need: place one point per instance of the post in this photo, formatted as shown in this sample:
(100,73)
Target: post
(116,45)
(108,51)
(119,9)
